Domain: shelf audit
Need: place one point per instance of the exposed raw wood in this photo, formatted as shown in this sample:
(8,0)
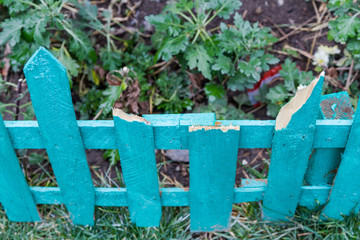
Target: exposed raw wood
(135,141)
(300,98)
(169,133)
(291,149)
(206,128)
(128,117)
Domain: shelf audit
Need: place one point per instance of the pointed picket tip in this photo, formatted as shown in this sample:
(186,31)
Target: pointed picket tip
(43,59)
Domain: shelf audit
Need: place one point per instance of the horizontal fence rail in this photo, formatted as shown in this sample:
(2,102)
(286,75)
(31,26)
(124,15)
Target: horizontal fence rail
(310,196)
(100,134)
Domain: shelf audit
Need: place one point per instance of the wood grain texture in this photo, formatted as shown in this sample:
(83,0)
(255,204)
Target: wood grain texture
(213,157)
(291,149)
(345,194)
(51,98)
(254,134)
(324,161)
(15,195)
(135,141)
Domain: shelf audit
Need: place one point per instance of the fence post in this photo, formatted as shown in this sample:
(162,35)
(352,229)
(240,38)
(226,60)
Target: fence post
(324,161)
(51,98)
(213,155)
(345,194)
(15,195)
(135,141)
(291,148)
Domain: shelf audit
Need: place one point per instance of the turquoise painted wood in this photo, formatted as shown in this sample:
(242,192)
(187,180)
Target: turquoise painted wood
(291,149)
(51,98)
(324,161)
(135,141)
(345,194)
(213,156)
(254,134)
(176,197)
(15,195)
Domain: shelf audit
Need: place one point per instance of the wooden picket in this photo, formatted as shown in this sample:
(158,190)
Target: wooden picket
(292,145)
(213,147)
(324,161)
(51,98)
(213,153)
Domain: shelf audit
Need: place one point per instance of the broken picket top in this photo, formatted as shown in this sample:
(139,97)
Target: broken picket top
(213,154)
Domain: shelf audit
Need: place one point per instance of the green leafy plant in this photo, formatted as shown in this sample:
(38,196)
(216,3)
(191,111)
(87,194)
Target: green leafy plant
(32,24)
(345,28)
(174,96)
(233,54)
(277,96)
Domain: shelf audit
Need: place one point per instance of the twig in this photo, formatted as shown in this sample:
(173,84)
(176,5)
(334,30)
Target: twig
(162,68)
(283,53)
(348,83)
(312,49)
(278,28)
(18,100)
(316,11)
(98,114)
(302,52)
(295,31)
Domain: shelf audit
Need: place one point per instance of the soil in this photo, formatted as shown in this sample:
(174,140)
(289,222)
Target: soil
(267,13)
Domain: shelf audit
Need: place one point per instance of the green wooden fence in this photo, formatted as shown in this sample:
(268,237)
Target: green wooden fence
(305,146)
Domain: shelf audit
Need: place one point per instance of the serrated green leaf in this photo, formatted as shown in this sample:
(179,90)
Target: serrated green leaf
(112,155)
(306,78)
(69,63)
(89,12)
(214,91)
(39,37)
(110,60)
(273,109)
(111,94)
(251,68)
(166,23)
(197,57)
(224,65)
(277,94)
(353,46)
(290,73)
(239,82)
(11,31)
(171,46)
(80,44)
(224,8)
(344,27)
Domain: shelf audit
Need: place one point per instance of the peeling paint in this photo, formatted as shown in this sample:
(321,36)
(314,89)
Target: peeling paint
(206,128)
(128,117)
(295,104)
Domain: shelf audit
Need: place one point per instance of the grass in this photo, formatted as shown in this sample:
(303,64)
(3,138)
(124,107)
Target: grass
(114,222)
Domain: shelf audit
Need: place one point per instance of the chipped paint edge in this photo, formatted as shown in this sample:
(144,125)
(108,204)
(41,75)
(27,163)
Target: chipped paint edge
(221,128)
(128,117)
(295,104)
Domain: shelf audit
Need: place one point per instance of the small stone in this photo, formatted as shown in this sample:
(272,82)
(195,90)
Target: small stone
(177,169)
(258,10)
(244,162)
(178,155)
